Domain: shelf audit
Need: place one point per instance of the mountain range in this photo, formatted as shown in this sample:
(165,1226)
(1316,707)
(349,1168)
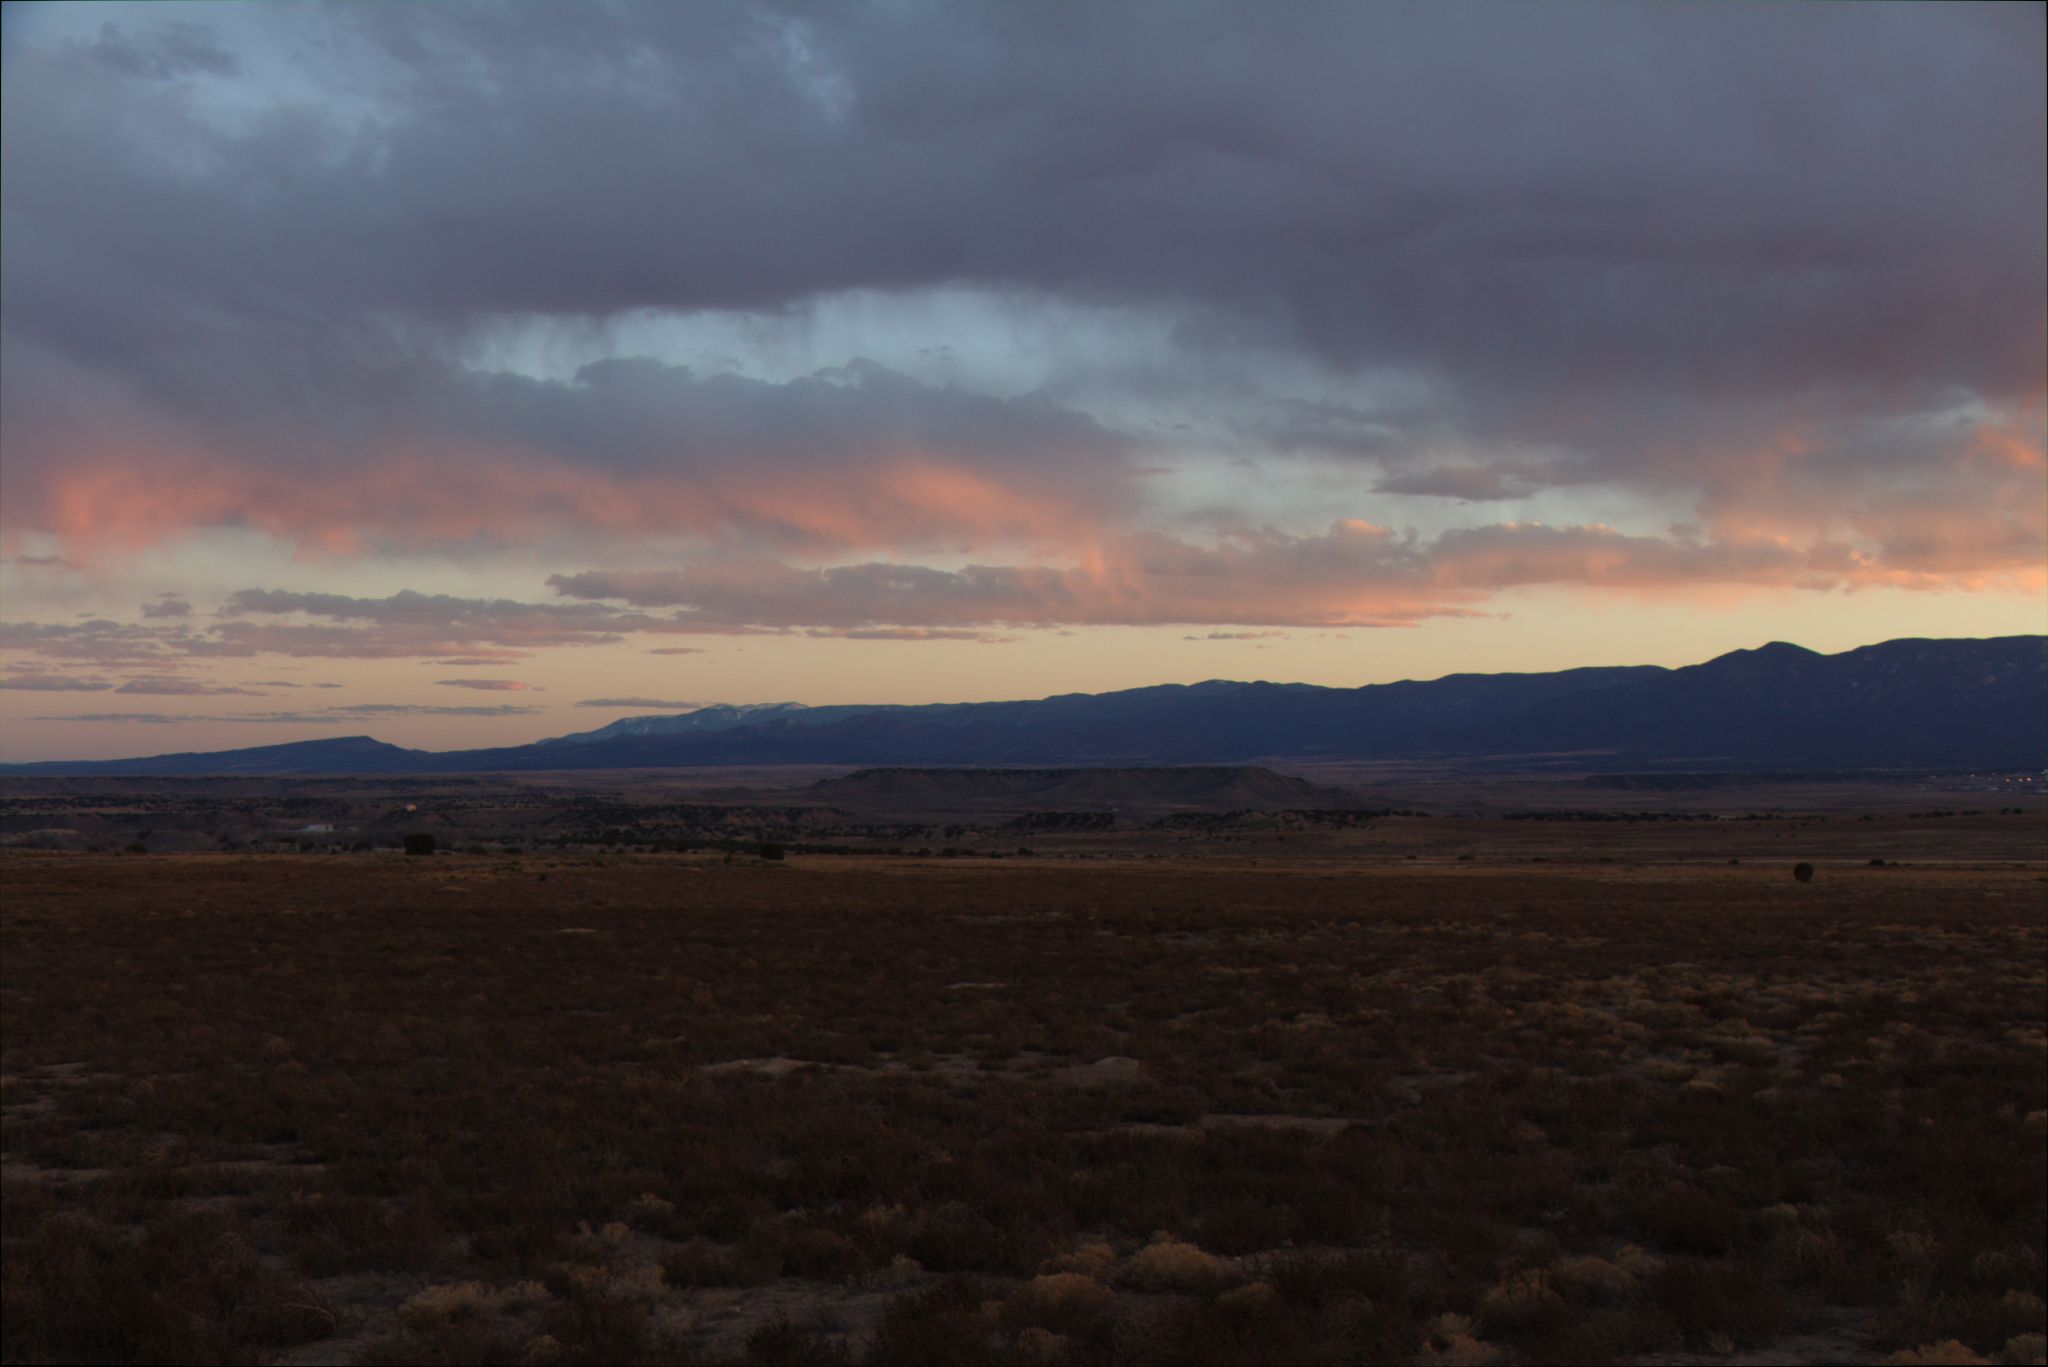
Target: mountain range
(1962,703)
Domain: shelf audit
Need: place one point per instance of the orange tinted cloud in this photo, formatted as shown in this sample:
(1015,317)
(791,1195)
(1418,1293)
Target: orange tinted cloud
(851,459)
(1355,574)
(132,500)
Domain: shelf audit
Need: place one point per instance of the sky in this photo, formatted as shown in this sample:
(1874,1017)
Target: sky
(464,374)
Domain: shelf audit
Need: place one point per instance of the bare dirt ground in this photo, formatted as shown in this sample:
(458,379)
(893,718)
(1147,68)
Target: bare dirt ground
(1588,1093)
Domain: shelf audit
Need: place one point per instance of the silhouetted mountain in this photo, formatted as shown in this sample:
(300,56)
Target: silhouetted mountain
(1910,703)
(335,755)
(715,717)
(1906,703)
(1210,722)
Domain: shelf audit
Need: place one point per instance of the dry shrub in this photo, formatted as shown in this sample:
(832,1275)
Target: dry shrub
(1168,1264)
(1913,1248)
(2014,1265)
(782,1344)
(1953,1353)
(819,1253)
(1097,1260)
(957,1238)
(699,1262)
(901,1272)
(1453,1341)
(1521,1300)
(2023,1308)
(192,1288)
(1685,1219)
(542,1350)
(1069,1293)
(881,1219)
(942,1324)
(1042,1345)
(1449,1326)
(644,1283)
(649,1211)
(1639,1262)
(1724,1299)
(2025,1350)
(1593,1280)
(1463,1353)
(454,1302)
(1252,1301)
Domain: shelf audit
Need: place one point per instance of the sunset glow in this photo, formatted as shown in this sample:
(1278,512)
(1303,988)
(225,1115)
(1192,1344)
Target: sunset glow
(374,369)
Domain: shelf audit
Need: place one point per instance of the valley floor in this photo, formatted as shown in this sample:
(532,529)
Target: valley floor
(562,1108)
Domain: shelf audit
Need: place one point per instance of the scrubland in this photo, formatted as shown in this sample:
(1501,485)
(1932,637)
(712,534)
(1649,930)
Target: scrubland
(677,1108)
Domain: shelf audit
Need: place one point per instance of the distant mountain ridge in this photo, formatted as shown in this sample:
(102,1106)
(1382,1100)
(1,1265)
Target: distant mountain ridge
(1958,703)
(711,717)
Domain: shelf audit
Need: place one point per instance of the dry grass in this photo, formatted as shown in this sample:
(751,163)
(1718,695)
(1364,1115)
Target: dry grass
(389,1111)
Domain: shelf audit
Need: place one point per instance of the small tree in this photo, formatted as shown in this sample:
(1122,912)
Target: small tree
(1803,872)
(771,850)
(419,842)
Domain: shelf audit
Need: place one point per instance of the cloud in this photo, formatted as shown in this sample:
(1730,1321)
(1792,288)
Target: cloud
(679,650)
(161,52)
(653,704)
(1472,483)
(409,624)
(386,709)
(186,718)
(1236,636)
(1354,574)
(325,716)
(184,687)
(911,634)
(53,683)
(1348,179)
(857,456)
(489,685)
(98,640)
(167,606)
(266,272)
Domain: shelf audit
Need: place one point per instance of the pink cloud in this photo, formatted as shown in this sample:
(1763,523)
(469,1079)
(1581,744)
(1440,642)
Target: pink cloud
(851,459)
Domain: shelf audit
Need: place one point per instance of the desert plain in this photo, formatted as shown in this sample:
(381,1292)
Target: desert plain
(1555,1073)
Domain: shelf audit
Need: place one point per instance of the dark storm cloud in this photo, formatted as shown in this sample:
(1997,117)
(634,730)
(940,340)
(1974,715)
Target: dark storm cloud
(1655,237)
(1446,181)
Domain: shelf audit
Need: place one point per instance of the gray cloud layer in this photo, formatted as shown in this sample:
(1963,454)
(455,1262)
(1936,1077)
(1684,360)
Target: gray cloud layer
(1780,264)
(1450,180)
